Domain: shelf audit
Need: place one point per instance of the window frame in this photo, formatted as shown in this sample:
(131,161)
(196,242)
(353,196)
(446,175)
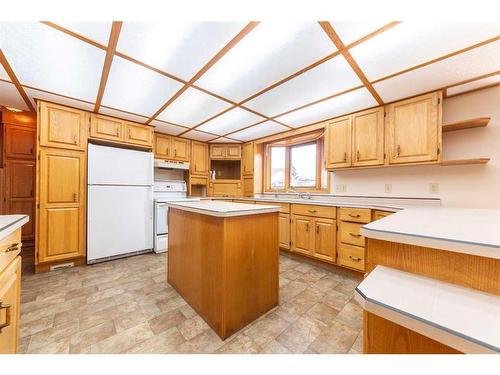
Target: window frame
(320,164)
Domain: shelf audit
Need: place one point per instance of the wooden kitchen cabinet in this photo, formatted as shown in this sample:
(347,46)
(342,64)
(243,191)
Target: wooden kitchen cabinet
(225,151)
(199,158)
(19,142)
(162,148)
(247,159)
(248,186)
(217,151)
(368,137)
(325,237)
(10,299)
(284,230)
(377,214)
(302,234)
(338,138)
(414,129)
(138,134)
(171,148)
(225,188)
(180,149)
(351,243)
(62,127)
(233,152)
(106,128)
(61,198)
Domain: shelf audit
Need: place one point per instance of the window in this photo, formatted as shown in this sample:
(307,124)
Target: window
(298,165)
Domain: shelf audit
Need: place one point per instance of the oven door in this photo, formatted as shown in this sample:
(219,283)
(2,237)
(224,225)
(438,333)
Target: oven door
(161,218)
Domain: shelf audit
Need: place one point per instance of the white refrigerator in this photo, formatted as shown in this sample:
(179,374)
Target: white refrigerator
(119,203)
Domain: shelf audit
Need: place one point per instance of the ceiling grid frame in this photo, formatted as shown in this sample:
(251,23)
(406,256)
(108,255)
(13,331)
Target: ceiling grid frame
(15,81)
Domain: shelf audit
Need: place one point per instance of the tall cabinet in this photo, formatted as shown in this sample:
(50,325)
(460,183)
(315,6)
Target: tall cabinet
(61,185)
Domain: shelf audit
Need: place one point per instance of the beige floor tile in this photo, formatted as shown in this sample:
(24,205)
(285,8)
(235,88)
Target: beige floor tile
(165,321)
(300,334)
(165,342)
(192,327)
(123,340)
(239,344)
(274,347)
(267,328)
(337,338)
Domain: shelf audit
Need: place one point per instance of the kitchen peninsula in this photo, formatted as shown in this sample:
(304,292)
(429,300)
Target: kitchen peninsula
(223,259)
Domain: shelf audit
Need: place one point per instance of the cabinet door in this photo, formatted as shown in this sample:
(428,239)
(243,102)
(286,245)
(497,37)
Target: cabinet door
(226,188)
(338,143)
(61,217)
(10,299)
(368,137)
(325,239)
(284,230)
(302,234)
(199,158)
(247,156)
(19,142)
(180,149)
(62,127)
(106,128)
(163,144)
(414,129)
(233,152)
(248,186)
(137,134)
(217,151)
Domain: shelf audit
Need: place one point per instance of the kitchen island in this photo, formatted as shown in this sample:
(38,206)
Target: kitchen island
(223,259)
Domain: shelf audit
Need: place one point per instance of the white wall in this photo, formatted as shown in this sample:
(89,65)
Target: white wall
(460,186)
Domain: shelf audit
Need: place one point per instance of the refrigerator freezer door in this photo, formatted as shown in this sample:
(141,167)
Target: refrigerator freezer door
(119,166)
(119,220)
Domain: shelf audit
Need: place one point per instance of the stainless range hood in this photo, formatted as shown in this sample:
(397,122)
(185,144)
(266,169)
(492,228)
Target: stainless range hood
(171,164)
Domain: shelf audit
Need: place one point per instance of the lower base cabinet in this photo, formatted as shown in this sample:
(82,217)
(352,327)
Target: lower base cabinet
(225,188)
(10,296)
(284,230)
(315,237)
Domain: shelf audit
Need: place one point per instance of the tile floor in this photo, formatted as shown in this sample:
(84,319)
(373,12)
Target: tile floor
(126,306)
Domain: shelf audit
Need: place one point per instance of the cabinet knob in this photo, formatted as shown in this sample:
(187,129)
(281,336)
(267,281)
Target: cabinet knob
(13,247)
(75,140)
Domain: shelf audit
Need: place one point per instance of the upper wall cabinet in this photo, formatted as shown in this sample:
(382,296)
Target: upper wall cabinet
(171,148)
(163,145)
(247,159)
(414,127)
(19,141)
(338,135)
(106,128)
(62,127)
(139,135)
(225,151)
(199,158)
(180,147)
(368,137)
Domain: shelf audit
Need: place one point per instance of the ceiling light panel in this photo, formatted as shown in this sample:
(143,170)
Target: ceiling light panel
(259,131)
(180,48)
(346,103)
(163,127)
(224,140)
(97,31)
(3,73)
(36,94)
(123,115)
(133,88)
(329,78)
(349,31)
(488,81)
(10,97)
(467,65)
(192,107)
(45,58)
(270,52)
(412,43)
(199,136)
(230,121)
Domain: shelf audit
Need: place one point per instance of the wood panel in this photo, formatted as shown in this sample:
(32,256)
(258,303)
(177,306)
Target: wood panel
(217,151)
(199,158)
(106,128)
(248,186)
(19,142)
(302,234)
(338,143)
(10,298)
(351,256)
(349,233)
(233,152)
(325,239)
(181,149)
(226,188)
(139,135)
(247,159)
(62,127)
(368,137)
(357,215)
(284,230)
(162,146)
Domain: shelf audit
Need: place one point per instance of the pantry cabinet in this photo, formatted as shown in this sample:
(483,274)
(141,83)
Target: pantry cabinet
(414,129)
(368,137)
(199,158)
(338,136)
(62,127)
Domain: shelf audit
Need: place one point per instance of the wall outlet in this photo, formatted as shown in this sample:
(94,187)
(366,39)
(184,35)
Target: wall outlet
(388,188)
(340,188)
(434,188)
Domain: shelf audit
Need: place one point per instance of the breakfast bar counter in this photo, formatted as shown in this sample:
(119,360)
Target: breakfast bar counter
(223,259)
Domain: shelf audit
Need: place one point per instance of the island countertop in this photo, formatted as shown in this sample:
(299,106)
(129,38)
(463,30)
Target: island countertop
(223,209)
(9,223)
(464,230)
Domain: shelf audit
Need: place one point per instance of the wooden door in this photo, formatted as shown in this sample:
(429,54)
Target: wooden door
(61,215)
(180,147)
(20,192)
(284,230)
(338,143)
(217,151)
(163,144)
(10,299)
(247,156)
(199,158)
(302,234)
(368,137)
(106,128)
(325,239)
(248,186)
(233,152)
(62,127)
(414,129)
(137,134)
(19,142)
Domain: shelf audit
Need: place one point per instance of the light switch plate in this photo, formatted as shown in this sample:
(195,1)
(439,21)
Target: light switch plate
(340,188)
(388,188)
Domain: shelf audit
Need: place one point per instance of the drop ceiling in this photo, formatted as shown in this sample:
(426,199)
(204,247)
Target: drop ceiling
(239,81)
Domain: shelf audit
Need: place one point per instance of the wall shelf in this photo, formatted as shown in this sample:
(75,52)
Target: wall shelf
(447,163)
(466,124)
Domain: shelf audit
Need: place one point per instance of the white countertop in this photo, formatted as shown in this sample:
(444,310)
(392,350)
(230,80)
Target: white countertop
(223,209)
(463,230)
(462,318)
(9,223)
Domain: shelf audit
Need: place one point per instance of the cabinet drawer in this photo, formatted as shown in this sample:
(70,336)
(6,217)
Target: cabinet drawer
(226,189)
(285,207)
(377,215)
(351,256)
(10,247)
(358,215)
(349,233)
(316,211)
(10,287)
